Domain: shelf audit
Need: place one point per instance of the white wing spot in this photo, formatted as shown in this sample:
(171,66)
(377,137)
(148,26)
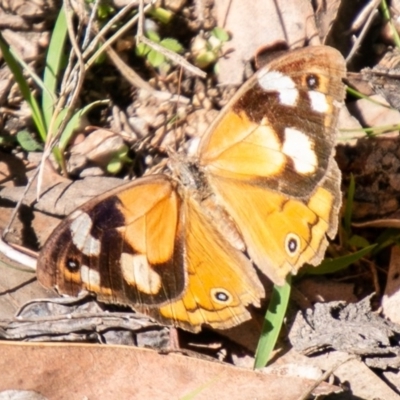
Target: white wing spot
(277,82)
(81,227)
(137,271)
(318,101)
(90,277)
(299,147)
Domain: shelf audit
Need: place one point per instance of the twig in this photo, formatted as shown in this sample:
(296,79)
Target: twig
(15,255)
(106,28)
(128,73)
(67,85)
(176,58)
(113,38)
(364,30)
(364,15)
(90,23)
(325,376)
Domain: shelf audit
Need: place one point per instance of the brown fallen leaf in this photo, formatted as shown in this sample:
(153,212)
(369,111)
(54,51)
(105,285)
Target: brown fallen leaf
(375,115)
(17,286)
(95,372)
(283,20)
(98,147)
(310,290)
(293,22)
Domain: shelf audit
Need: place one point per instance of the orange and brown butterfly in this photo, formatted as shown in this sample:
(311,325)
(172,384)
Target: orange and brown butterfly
(261,195)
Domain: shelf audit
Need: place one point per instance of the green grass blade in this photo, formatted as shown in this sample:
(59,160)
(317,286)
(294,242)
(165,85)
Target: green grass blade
(27,142)
(28,69)
(272,323)
(386,15)
(387,238)
(74,122)
(54,62)
(24,87)
(331,266)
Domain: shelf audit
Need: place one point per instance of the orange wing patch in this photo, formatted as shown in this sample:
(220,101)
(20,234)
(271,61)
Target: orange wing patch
(280,233)
(151,219)
(221,280)
(239,148)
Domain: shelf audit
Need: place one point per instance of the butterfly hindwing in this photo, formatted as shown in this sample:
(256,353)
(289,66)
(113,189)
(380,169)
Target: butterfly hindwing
(221,280)
(283,233)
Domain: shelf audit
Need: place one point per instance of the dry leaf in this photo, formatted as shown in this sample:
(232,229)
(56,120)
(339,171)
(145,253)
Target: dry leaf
(23,280)
(375,115)
(99,147)
(95,371)
(271,21)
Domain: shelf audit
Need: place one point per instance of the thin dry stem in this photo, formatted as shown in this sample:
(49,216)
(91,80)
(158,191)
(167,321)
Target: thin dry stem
(176,58)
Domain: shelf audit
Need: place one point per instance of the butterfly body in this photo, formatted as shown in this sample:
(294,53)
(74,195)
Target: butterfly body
(263,189)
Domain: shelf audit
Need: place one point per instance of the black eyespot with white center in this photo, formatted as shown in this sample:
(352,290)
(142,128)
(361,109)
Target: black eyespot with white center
(221,296)
(72,265)
(312,81)
(292,244)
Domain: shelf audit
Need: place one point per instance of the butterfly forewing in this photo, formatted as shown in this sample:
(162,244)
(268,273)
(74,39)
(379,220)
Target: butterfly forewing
(280,129)
(123,246)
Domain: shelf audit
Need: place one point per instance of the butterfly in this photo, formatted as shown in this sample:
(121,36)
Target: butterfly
(261,195)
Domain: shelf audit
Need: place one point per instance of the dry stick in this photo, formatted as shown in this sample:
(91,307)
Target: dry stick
(102,33)
(90,24)
(51,141)
(364,14)
(128,73)
(324,376)
(228,5)
(176,58)
(73,100)
(113,38)
(361,36)
(16,255)
(375,278)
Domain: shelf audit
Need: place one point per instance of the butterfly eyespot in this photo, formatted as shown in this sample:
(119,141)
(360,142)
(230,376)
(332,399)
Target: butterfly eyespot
(312,81)
(221,296)
(72,265)
(292,244)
